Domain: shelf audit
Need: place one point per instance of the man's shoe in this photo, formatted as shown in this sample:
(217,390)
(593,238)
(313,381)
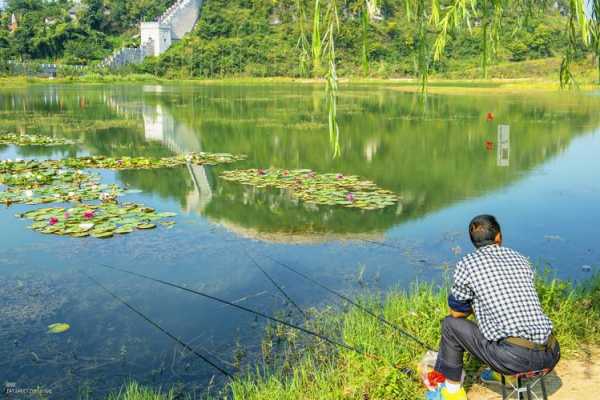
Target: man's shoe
(490,377)
(441,393)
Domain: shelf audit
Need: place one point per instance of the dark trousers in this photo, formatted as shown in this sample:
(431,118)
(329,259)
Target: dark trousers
(460,335)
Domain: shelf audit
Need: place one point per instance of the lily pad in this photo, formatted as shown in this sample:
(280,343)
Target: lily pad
(119,163)
(55,186)
(33,140)
(99,221)
(146,226)
(58,328)
(324,189)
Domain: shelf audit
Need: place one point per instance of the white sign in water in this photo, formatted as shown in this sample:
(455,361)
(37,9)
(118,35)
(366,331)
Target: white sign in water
(503,156)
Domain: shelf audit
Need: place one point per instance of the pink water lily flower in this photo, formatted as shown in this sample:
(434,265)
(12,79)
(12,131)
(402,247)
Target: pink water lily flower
(350,197)
(53,221)
(67,215)
(89,214)
(339,176)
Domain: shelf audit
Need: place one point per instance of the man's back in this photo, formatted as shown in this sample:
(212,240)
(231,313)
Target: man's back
(500,283)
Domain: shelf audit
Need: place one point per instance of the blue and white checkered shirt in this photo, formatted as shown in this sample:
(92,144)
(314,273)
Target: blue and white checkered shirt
(498,284)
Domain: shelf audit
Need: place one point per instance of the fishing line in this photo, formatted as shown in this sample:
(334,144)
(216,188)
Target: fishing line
(266,274)
(352,302)
(383,244)
(251,311)
(175,338)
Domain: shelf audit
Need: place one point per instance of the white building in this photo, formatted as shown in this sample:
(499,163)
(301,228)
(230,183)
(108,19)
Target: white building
(156,37)
(173,25)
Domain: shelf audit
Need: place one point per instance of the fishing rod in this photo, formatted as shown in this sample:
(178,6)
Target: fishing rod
(157,326)
(352,302)
(266,274)
(251,311)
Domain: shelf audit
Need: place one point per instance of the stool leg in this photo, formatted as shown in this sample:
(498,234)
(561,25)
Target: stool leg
(504,397)
(543,385)
(519,396)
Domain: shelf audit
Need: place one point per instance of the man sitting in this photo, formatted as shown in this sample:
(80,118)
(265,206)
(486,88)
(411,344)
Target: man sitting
(512,334)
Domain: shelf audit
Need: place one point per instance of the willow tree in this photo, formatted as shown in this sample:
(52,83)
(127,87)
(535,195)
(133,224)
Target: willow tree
(459,13)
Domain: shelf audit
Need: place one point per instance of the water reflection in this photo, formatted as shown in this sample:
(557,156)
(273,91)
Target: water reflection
(430,152)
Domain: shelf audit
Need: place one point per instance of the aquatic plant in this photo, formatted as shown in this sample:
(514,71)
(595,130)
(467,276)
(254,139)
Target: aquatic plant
(325,189)
(33,140)
(55,186)
(99,220)
(28,180)
(60,193)
(119,163)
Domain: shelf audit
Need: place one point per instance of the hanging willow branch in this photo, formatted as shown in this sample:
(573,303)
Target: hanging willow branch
(317,45)
(457,13)
(365,29)
(302,45)
(332,24)
(416,12)
(369,12)
(577,19)
(595,32)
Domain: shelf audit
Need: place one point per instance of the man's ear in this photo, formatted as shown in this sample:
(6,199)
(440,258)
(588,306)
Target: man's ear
(498,239)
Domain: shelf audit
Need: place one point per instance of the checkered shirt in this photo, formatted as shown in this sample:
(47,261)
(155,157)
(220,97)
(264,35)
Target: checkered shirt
(498,283)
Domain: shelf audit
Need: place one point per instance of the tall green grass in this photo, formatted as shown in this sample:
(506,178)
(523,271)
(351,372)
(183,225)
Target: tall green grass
(313,370)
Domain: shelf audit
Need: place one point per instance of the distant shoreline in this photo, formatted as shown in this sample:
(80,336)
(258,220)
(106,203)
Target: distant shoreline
(436,85)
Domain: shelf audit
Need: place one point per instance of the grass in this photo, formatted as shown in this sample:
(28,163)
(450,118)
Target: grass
(295,369)
(511,76)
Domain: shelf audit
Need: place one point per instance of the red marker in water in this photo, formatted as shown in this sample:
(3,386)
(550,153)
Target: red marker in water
(490,117)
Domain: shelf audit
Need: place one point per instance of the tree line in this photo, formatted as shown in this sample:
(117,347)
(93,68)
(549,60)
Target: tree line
(308,37)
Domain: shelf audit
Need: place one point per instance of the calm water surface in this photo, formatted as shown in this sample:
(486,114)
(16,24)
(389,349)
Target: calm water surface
(542,181)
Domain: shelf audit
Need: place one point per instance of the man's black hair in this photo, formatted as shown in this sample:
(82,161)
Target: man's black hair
(483,230)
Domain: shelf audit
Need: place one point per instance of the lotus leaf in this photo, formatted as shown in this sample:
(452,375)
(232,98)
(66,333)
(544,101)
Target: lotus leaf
(324,189)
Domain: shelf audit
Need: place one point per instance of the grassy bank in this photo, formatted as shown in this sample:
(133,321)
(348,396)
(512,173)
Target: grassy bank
(531,75)
(436,85)
(296,369)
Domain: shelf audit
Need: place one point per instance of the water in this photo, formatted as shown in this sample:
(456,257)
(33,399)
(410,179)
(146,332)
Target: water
(541,181)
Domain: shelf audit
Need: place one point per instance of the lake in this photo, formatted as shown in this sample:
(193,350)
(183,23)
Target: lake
(539,174)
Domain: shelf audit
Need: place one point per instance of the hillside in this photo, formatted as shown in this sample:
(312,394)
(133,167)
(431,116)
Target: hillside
(261,37)
(70,33)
